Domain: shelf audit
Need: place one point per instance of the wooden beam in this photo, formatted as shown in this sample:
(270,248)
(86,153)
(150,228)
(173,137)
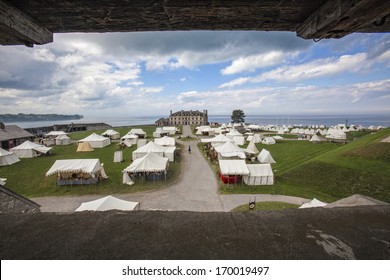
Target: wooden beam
(20,28)
(338,18)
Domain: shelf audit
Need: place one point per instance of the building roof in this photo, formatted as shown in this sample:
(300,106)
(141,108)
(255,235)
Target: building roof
(188,113)
(13,132)
(16,196)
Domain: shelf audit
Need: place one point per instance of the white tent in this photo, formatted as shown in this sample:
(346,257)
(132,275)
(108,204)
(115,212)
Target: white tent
(7,158)
(170,153)
(265,157)
(171,129)
(112,134)
(96,141)
(228,150)
(108,203)
(256,138)
(251,149)
(356,200)
(233,167)
(131,138)
(315,139)
(77,171)
(313,203)
(217,140)
(259,174)
(233,133)
(165,141)
(63,139)
(29,149)
(84,147)
(2,181)
(239,140)
(118,156)
(148,163)
(139,132)
(55,133)
(160,132)
(268,141)
(151,147)
(127,143)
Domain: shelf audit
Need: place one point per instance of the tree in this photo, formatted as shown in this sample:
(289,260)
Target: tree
(238,116)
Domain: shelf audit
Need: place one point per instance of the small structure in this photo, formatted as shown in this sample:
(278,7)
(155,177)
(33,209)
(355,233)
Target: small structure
(255,138)
(108,203)
(63,140)
(13,135)
(232,170)
(29,150)
(138,131)
(218,140)
(131,138)
(265,157)
(268,141)
(229,150)
(118,156)
(150,147)
(151,165)
(165,141)
(315,139)
(84,147)
(160,132)
(251,149)
(259,174)
(7,158)
(96,141)
(112,134)
(77,171)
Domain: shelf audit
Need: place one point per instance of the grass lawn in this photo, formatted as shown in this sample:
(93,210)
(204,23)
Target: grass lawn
(267,205)
(27,177)
(328,171)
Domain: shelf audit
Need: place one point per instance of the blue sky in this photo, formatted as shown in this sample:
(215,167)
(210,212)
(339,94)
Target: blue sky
(151,73)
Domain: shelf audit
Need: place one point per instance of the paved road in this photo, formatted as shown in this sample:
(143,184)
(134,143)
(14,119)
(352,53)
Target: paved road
(195,190)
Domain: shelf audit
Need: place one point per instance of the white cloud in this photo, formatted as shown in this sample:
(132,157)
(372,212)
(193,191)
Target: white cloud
(235,82)
(252,62)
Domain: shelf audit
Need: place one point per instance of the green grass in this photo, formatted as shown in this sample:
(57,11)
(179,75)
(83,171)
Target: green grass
(27,177)
(267,205)
(328,171)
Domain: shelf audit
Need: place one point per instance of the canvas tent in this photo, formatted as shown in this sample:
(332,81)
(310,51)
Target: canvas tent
(112,134)
(356,200)
(7,158)
(77,171)
(96,141)
(131,138)
(233,167)
(139,132)
(108,203)
(265,157)
(54,134)
(313,203)
(217,140)
(63,139)
(259,174)
(256,138)
(150,147)
(160,132)
(251,149)
(151,165)
(315,139)
(229,150)
(84,147)
(165,141)
(268,141)
(29,149)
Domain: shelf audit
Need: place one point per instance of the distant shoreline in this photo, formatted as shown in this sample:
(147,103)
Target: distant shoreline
(20,117)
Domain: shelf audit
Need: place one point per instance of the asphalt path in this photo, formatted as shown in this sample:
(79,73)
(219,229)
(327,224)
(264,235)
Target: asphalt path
(195,190)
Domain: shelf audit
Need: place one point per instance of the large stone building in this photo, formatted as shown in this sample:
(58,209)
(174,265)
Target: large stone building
(188,118)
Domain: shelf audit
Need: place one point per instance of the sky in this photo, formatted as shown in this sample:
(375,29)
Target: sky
(151,73)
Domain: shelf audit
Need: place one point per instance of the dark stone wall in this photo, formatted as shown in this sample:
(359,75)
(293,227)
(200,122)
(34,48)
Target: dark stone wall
(11,204)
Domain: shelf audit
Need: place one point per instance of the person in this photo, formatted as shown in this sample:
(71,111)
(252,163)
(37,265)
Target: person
(189,149)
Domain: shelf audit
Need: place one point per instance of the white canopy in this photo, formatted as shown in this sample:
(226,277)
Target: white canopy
(256,138)
(233,133)
(230,149)
(108,203)
(112,134)
(84,147)
(217,140)
(150,147)
(29,149)
(7,158)
(55,133)
(265,157)
(315,138)
(259,174)
(165,141)
(148,163)
(313,203)
(171,129)
(138,131)
(89,166)
(130,138)
(233,167)
(2,181)
(96,140)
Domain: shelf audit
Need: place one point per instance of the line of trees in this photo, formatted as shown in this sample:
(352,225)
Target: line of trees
(37,117)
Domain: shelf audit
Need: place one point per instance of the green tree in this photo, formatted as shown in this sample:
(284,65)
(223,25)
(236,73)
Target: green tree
(238,116)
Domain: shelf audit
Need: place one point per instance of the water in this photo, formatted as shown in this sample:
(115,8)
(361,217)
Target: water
(327,120)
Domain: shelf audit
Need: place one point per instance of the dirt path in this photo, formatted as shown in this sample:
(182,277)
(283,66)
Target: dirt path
(195,190)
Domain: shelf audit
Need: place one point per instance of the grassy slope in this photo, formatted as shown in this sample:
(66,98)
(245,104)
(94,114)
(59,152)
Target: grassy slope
(27,177)
(267,205)
(330,171)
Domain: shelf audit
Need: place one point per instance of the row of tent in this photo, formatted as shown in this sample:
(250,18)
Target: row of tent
(252,174)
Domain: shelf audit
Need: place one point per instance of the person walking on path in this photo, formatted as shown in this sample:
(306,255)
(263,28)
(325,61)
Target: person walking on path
(189,149)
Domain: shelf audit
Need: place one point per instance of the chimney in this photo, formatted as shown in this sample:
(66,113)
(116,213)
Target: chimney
(171,113)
